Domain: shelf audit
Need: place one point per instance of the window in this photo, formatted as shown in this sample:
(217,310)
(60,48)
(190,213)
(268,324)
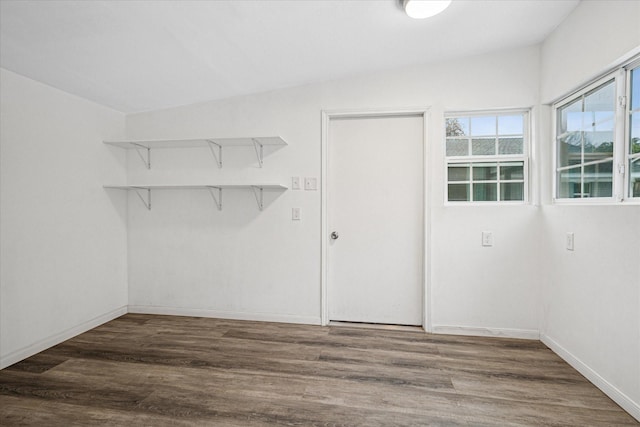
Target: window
(486,156)
(590,142)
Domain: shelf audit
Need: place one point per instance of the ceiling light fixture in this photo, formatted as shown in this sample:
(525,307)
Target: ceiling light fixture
(420,9)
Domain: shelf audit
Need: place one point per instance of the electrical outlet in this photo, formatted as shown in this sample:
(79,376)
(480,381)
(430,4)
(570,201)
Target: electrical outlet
(295,214)
(570,242)
(295,183)
(487,238)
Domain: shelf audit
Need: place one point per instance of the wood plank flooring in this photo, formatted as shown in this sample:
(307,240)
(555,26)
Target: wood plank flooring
(144,370)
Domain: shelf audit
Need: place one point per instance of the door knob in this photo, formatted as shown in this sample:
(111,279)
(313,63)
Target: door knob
(334,235)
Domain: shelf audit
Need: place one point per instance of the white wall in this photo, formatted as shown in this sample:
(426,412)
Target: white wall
(592,38)
(184,256)
(591,297)
(63,246)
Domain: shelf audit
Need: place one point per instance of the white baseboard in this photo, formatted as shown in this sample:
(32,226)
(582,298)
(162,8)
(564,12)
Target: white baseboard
(528,334)
(233,315)
(43,344)
(633,408)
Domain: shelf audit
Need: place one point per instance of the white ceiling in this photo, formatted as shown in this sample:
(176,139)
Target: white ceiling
(146,55)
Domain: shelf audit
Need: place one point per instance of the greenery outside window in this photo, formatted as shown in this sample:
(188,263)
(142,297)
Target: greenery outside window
(486,156)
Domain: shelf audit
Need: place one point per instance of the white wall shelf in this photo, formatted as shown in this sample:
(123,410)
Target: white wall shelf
(144,147)
(144,191)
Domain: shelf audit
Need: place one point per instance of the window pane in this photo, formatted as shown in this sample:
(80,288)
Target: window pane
(634,178)
(635,132)
(458,192)
(635,88)
(510,145)
(512,191)
(483,146)
(483,126)
(603,121)
(569,122)
(585,134)
(457,147)
(485,172)
(511,125)
(570,117)
(457,126)
(485,192)
(599,108)
(569,183)
(459,173)
(511,171)
(598,180)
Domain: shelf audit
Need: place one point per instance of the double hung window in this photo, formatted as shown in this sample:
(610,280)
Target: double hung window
(486,156)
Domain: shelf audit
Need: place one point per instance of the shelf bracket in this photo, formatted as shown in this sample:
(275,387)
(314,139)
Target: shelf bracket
(147,201)
(214,146)
(259,150)
(217,199)
(147,160)
(258,192)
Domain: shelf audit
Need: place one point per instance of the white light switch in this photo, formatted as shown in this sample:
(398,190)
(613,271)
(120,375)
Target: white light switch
(487,238)
(295,183)
(295,214)
(310,183)
(569,241)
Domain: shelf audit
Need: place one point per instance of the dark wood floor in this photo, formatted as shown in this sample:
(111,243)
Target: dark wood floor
(162,370)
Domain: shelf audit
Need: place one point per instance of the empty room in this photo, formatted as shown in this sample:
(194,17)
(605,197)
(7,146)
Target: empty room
(320,212)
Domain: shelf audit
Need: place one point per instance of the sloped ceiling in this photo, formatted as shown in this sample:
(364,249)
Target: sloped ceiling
(146,55)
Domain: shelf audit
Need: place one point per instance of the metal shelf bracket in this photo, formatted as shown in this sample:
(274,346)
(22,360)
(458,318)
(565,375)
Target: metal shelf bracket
(216,198)
(147,200)
(257,145)
(258,192)
(214,146)
(147,160)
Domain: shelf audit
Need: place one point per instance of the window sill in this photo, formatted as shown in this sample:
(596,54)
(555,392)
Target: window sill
(448,204)
(568,202)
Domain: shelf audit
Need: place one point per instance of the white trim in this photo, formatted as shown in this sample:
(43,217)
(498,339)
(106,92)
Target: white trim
(633,408)
(477,331)
(233,315)
(627,157)
(506,204)
(506,111)
(324,226)
(327,115)
(48,342)
(427,272)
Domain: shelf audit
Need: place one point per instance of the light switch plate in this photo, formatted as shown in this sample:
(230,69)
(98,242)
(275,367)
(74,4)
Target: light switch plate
(295,214)
(570,241)
(310,183)
(487,238)
(295,183)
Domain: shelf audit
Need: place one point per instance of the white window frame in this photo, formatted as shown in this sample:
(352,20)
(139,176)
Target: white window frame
(497,158)
(627,133)
(622,129)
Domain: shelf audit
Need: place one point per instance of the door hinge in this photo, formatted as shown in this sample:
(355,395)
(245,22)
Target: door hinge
(621,168)
(622,101)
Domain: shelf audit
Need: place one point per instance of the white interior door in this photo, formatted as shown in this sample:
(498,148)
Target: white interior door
(375,190)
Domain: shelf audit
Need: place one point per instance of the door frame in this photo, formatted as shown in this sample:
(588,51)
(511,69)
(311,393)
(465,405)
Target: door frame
(327,116)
